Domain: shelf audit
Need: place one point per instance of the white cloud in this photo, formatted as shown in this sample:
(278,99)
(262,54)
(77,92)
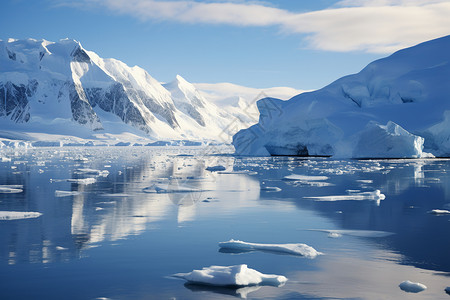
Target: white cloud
(350,25)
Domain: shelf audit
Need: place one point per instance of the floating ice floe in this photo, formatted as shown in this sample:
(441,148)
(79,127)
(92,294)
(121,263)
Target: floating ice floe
(95,172)
(216,168)
(66,193)
(59,248)
(270,189)
(305,178)
(84,181)
(358,233)
(115,195)
(412,287)
(295,249)
(11,189)
(375,195)
(17,215)
(439,212)
(167,188)
(239,275)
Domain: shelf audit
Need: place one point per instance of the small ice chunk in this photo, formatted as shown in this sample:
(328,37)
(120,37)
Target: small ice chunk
(17,215)
(59,248)
(84,181)
(439,212)
(239,275)
(412,287)
(305,177)
(95,172)
(216,168)
(334,235)
(365,181)
(270,189)
(11,189)
(375,195)
(295,249)
(66,193)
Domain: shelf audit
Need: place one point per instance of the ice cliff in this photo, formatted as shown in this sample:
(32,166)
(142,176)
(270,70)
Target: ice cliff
(397,106)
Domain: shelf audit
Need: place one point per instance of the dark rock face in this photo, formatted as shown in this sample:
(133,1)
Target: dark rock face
(14,100)
(79,55)
(82,111)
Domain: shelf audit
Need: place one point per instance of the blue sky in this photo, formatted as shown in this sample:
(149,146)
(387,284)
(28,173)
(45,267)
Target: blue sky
(301,44)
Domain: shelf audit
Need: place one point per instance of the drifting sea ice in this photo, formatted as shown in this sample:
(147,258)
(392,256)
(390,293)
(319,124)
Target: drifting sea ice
(270,189)
(295,249)
(94,172)
(304,178)
(17,215)
(239,275)
(84,181)
(11,189)
(375,195)
(169,188)
(439,212)
(412,287)
(66,193)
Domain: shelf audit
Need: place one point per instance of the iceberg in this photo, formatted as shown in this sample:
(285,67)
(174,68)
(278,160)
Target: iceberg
(295,249)
(412,287)
(239,275)
(390,141)
(407,91)
(60,194)
(18,215)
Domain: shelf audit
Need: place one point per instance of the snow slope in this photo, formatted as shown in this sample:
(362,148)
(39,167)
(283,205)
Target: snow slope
(62,89)
(408,91)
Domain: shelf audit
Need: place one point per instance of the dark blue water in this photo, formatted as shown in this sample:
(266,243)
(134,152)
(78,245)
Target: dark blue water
(111,239)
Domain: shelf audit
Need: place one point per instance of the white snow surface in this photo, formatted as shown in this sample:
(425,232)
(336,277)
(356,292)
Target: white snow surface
(61,93)
(18,215)
(239,275)
(412,287)
(295,249)
(408,91)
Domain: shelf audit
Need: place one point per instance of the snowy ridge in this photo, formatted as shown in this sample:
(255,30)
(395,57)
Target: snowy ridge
(62,88)
(408,91)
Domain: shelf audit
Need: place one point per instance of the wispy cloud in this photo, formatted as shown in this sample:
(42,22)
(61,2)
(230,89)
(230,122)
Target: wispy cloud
(349,25)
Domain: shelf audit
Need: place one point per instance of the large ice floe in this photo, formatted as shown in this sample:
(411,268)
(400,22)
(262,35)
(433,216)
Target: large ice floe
(18,215)
(294,249)
(374,195)
(396,107)
(412,287)
(239,275)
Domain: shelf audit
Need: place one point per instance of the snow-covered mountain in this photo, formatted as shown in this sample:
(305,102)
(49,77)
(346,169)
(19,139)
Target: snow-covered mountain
(65,90)
(398,106)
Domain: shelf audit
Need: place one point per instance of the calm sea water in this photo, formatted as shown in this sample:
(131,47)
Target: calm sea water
(115,239)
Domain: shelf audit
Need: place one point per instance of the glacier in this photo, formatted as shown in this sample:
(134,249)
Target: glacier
(408,91)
